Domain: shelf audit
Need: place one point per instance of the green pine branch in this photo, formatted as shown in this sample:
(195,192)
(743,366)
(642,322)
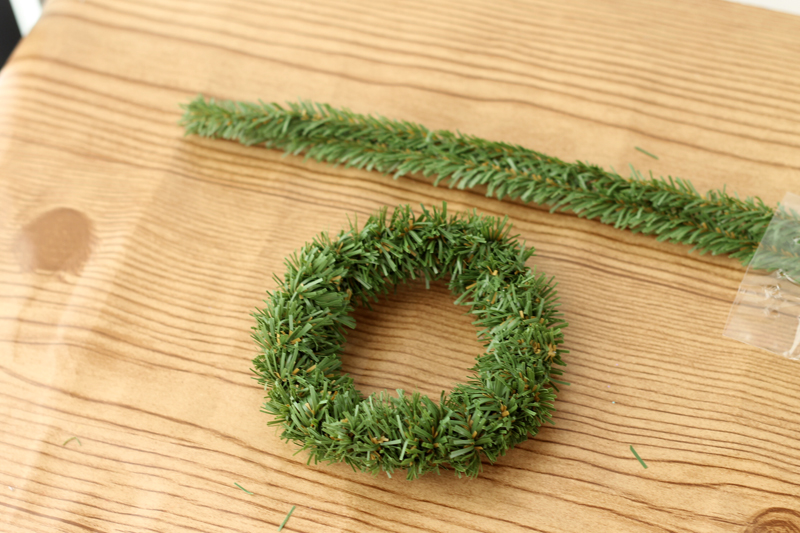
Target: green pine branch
(669,208)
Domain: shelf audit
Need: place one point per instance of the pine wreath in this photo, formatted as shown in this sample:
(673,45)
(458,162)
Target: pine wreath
(301,334)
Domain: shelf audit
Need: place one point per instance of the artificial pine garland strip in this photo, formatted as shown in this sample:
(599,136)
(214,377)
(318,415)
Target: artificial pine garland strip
(669,208)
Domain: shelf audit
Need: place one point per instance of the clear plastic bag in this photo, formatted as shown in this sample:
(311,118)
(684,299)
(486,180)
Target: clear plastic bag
(766,312)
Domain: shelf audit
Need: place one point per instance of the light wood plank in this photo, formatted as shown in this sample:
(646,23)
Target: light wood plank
(142,350)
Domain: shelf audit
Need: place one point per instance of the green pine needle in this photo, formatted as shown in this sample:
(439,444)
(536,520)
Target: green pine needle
(645,152)
(287,518)
(71,439)
(637,456)
(669,208)
(244,489)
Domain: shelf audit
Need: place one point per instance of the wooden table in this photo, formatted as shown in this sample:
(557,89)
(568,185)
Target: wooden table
(131,258)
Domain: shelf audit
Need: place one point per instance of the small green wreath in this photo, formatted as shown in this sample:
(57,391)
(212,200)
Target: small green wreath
(301,335)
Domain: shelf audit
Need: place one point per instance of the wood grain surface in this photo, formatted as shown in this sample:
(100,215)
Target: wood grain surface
(131,257)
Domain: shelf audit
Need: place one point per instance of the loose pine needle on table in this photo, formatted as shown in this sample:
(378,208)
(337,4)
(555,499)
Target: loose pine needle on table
(287,518)
(244,489)
(645,152)
(71,439)
(637,456)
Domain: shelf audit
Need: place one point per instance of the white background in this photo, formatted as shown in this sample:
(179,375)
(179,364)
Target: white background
(787,6)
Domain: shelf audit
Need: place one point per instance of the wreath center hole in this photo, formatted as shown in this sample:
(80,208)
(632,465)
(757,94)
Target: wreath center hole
(413,339)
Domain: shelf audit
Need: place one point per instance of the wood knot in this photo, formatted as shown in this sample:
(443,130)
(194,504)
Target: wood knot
(59,240)
(774,520)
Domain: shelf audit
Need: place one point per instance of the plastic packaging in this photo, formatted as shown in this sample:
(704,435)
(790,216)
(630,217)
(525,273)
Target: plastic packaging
(766,312)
